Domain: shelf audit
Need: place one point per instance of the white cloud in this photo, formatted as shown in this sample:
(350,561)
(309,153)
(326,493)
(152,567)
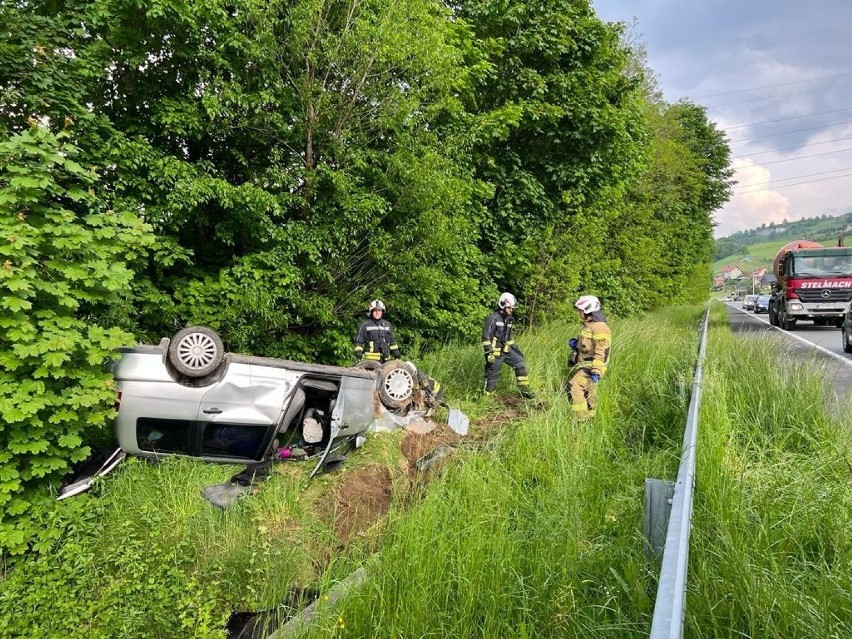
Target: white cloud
(777,80)
(753,207)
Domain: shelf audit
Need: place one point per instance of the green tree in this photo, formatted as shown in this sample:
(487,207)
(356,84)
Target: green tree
(65,259)
(558,122)
(294,159)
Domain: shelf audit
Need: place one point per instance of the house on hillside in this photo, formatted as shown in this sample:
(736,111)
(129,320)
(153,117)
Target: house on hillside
(758,273)
(718,282)
(732,272)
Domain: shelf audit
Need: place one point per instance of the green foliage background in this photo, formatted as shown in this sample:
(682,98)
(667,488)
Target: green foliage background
(267,168)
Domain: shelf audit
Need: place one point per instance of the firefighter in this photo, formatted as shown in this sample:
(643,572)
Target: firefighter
(375,340)
(589,356)
(500,347)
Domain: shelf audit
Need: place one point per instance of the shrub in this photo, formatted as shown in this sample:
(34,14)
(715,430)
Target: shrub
(64,259)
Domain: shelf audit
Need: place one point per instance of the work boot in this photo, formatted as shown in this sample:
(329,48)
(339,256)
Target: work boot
(526,392)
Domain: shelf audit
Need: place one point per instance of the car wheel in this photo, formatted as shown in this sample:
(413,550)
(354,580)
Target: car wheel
(396,387)
(196,351)
(847,346)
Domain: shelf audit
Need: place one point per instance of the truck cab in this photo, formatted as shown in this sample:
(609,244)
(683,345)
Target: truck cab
(813,284)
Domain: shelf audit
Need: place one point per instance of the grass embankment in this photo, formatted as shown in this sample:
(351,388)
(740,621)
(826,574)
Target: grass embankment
(541,540)
(543,537)
(771,550)
(537,535)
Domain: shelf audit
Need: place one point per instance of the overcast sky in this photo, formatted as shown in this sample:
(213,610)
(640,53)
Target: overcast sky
(765,70)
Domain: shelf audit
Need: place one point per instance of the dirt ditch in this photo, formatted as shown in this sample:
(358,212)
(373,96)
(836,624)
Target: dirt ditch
(362,498)
(364,493)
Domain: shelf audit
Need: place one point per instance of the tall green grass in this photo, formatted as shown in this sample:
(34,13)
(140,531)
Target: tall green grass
(542,537)
(771,539)
(538,535)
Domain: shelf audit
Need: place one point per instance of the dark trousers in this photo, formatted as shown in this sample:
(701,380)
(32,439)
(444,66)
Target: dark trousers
(514,359)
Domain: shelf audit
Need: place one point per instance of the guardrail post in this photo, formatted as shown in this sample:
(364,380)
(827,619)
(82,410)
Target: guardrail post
(658,507)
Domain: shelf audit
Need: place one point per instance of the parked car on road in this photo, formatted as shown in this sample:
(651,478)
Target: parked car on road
(761,304)
(748,302)
(846,329)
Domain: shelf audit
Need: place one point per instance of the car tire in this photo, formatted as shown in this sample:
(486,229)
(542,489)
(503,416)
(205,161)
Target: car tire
(847,346)
(396,384)
(196,351)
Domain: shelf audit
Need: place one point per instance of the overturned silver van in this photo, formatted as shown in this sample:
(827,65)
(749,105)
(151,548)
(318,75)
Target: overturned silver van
(187,396)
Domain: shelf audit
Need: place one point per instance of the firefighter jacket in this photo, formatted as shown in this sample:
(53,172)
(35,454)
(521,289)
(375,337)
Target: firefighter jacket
(497,333)
(593,344)
(375,341)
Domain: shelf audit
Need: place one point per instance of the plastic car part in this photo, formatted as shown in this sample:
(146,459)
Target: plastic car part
(97,466)
(396,387)
(196,351)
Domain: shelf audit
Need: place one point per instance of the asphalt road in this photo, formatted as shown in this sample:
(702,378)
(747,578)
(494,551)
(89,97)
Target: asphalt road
(820,341)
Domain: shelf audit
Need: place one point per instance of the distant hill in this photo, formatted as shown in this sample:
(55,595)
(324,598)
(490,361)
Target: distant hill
(757,247)
(819,229)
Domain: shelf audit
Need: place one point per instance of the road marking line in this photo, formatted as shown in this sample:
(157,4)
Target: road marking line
(845,360)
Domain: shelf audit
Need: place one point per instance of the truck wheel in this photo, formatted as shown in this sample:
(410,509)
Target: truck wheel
(396,386)
(196,351)
(773,320)
(786,323)
(847,345)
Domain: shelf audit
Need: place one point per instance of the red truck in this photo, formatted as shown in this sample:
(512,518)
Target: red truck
(813,282)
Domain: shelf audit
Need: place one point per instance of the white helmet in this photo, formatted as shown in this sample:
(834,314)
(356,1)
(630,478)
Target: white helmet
(377,304)
(588,304)
(507,299)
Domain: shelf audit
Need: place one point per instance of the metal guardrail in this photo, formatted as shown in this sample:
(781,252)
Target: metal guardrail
(670,606)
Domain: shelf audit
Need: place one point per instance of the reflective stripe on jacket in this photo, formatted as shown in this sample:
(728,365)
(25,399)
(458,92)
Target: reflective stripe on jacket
(375,340)
(593,344)
(497,332)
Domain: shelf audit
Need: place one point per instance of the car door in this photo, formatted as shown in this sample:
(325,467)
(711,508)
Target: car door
(238,416)
(155,414)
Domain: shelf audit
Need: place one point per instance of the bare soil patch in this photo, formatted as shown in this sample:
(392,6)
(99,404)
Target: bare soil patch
(362,497)
(415,446)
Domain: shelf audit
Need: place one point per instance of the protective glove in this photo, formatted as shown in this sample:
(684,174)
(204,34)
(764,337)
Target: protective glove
(572,343)
(490,357)
(595,377)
